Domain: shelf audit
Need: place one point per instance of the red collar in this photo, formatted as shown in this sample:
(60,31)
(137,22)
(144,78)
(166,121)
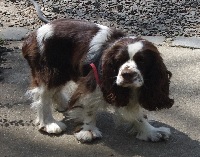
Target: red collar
(111,97)
(95,73)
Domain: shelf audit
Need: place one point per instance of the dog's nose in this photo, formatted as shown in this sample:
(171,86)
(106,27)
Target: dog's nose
(129,75)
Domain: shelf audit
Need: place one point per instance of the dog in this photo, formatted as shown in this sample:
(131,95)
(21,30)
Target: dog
(102,68)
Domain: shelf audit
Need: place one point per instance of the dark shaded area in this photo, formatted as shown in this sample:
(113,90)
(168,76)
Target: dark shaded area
(115,139)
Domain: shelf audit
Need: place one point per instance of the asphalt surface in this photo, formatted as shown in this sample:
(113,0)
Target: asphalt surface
(20,137)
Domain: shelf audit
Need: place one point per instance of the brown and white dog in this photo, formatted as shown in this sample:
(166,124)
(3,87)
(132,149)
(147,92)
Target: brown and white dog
(103,68)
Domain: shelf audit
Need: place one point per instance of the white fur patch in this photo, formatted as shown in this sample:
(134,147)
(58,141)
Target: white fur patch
(88,133)
(42,99)
(100,38)
(132,111)
(88,103)
(145,131)
(69,89)
(34,95)
(132,37)
(134,48)
(131,65)
(54,127)
(44,33)
(61,98)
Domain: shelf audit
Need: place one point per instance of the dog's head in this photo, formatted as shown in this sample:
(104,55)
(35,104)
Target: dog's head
(135,64)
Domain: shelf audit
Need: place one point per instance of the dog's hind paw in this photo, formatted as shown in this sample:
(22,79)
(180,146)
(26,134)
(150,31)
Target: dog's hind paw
(53,128)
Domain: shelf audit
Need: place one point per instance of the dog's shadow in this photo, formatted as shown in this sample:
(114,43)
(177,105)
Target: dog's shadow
(125,144)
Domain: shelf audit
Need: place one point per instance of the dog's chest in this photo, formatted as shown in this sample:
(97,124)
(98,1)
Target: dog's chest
(133,97)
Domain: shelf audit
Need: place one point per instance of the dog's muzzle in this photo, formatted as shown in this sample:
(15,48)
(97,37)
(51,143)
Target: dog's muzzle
(129,78)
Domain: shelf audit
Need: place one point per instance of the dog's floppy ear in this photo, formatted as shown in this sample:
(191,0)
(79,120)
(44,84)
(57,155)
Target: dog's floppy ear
(113,94)
(154,94)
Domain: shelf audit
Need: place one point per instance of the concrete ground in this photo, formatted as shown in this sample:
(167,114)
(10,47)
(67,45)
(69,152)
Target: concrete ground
(19,136)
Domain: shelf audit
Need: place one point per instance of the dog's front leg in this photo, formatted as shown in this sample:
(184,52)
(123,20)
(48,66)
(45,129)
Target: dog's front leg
(84,111)
(87,131)
(60,101)
(145,131)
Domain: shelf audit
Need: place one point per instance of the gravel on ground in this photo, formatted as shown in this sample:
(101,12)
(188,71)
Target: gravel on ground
(168,18)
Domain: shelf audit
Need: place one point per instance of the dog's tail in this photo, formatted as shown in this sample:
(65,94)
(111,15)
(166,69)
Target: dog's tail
(39,12)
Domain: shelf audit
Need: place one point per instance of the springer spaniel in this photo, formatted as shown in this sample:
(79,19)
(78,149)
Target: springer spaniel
(103,68)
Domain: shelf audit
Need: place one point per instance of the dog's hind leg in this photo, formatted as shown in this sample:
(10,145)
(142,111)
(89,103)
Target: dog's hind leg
(44,111)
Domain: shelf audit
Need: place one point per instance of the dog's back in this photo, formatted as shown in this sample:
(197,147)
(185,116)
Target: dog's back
(56,51)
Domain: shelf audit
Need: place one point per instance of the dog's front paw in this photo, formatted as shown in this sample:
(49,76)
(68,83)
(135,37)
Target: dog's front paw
(154,134)
(53,128)
(88,135)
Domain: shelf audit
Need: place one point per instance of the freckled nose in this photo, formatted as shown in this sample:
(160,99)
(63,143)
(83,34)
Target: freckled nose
(129,75)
